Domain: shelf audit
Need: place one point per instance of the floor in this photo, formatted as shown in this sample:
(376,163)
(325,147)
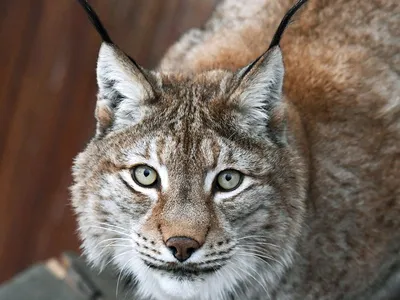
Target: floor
(48,54)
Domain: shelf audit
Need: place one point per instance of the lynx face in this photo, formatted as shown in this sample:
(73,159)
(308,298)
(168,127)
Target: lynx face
(191,184)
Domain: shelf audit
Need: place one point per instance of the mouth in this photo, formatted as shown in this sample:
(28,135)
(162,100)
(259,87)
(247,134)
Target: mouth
(187,271)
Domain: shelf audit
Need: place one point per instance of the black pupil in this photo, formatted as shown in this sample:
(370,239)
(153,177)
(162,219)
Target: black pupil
(146,172)
(228,177)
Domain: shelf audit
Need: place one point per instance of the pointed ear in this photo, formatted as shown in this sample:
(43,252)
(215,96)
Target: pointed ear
(124,89)
(258,95)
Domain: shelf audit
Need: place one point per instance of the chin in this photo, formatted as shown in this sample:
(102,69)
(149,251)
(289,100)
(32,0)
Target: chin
(163,285)
(179,287)
(175,281)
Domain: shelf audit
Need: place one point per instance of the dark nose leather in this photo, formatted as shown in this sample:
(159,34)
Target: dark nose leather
(182,247)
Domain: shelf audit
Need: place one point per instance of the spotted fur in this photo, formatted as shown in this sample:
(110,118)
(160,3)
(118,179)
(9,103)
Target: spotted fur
(314,126)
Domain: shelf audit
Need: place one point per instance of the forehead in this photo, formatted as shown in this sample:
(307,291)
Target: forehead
(188,153)
(184,129)
(206,84)
(190,98)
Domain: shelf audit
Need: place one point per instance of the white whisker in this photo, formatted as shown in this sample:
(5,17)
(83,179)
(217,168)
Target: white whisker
(111,225)
(118,255)
(257,258)
(262,255)
(114,239)
(119,276)
(262,285)
(107,229)
(259,243)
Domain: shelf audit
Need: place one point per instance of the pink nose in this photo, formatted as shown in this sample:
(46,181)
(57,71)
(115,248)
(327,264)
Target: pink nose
(182,247)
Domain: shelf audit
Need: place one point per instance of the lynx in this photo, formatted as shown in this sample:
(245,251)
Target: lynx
(235,170)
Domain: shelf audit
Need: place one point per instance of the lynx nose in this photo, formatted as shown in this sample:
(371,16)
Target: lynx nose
(182,247)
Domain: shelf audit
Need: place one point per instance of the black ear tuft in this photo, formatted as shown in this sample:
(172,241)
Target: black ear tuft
(96,21)
(93,17)
(285,22)
(278,34)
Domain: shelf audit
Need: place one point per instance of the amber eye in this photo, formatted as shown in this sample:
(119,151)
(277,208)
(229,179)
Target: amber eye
(229,180)
(144,175)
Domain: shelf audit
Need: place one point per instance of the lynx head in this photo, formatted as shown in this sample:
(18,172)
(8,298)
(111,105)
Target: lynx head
(193,184)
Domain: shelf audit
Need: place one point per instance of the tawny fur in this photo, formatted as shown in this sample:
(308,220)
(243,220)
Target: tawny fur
(334,211)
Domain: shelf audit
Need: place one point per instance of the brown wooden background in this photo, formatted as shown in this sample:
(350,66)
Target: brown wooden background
(48,52)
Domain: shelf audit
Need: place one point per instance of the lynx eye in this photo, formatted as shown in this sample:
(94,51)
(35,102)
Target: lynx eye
(229,180)
(144,175)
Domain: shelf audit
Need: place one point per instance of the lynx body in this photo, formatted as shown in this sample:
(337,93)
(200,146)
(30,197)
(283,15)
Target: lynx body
(311,129)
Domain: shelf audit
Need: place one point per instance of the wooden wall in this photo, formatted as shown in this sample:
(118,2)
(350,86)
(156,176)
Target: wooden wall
(48,52)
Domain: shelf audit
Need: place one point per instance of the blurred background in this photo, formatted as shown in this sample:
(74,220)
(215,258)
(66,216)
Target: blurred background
(48,52)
